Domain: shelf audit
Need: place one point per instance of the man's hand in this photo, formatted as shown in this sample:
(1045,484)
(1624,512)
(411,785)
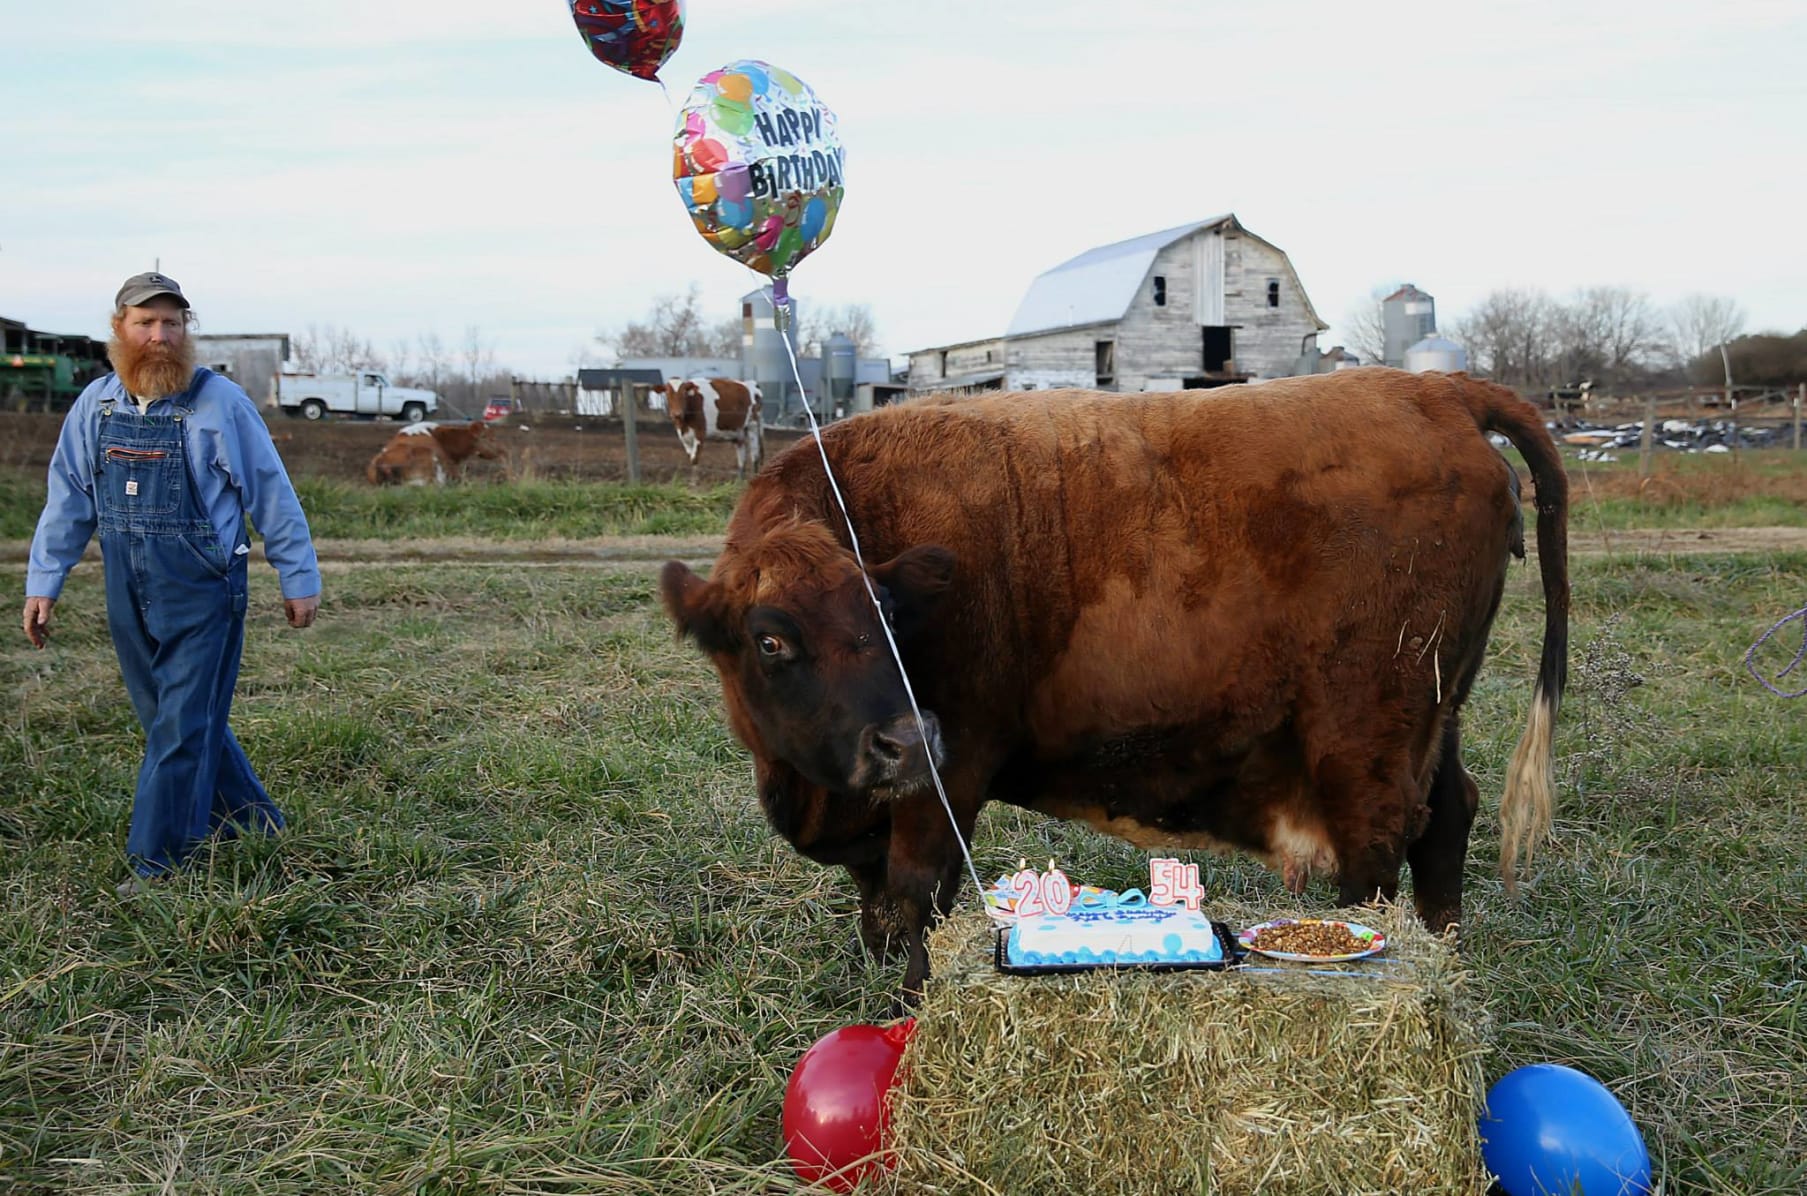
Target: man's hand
(301,610)
(37,619)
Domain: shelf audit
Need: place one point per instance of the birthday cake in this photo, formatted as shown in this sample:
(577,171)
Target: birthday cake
(1111,935)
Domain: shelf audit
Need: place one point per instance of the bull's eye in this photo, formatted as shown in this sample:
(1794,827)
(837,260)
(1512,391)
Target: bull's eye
(770,646)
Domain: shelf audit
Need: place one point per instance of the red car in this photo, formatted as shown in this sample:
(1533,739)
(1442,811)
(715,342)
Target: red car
(498,409)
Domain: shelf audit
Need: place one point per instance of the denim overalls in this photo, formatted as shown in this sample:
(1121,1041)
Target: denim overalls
(176,610)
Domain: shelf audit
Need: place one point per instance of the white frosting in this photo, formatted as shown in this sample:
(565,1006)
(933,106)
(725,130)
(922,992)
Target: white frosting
(1116,935)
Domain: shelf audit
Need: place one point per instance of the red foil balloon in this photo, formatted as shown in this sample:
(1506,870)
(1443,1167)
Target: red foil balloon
(635,36)
(836,1112)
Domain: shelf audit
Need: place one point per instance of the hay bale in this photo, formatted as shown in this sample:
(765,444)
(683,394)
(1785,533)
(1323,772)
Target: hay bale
(1275,1080)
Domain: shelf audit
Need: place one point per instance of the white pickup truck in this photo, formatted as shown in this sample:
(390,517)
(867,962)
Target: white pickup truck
(366,393)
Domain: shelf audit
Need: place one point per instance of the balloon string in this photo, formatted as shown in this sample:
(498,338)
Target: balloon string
(1750,657)
(782,319)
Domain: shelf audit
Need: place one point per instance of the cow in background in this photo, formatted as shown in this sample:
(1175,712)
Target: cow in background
(433,453)
(718,409)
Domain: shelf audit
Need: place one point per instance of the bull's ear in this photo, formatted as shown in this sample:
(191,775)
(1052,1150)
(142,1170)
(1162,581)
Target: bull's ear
(695,606)
(916,578)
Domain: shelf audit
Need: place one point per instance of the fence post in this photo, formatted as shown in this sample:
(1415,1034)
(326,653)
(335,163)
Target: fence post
(1648,434)
(630,427)
(1800,396)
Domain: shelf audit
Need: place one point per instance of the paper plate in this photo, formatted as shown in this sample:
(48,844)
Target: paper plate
(1375,940)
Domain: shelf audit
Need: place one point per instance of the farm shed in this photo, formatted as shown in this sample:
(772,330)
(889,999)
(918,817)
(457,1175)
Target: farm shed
(251,359)
(1200,305)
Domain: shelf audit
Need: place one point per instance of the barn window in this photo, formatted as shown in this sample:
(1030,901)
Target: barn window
(1160,290)
(1105,359)
(1273,292)
(944,363)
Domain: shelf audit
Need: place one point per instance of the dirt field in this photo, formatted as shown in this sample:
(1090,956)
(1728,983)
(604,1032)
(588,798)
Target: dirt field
(576,447)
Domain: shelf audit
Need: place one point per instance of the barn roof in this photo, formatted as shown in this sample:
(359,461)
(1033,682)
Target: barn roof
(608,379)
(1099,284)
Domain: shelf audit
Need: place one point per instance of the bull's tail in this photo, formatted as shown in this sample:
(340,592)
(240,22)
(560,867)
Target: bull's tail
(1526,810)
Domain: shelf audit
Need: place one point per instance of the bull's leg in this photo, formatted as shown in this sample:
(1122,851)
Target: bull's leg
(1366,803)
(923,876)
(693,446)
(1437,856)
(881,929)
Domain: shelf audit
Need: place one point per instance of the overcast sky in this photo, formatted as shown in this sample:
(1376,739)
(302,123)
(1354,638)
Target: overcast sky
(399,167)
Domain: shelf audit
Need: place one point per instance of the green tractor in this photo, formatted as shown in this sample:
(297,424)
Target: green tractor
(45,371)
(38,381)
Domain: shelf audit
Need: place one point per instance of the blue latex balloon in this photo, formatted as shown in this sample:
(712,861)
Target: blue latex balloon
(1549,1130)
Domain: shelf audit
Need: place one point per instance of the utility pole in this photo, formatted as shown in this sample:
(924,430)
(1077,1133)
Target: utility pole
(1731,397)
(1647,435)
(630,428)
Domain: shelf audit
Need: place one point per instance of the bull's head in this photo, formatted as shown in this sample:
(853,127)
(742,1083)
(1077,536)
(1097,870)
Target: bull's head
(808,676)
(486,444)
(678,397)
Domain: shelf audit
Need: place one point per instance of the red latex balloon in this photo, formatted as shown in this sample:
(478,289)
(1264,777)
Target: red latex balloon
(835,1108)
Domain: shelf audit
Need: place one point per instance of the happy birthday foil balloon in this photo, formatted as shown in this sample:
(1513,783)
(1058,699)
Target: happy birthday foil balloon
(635,36)
(758,163)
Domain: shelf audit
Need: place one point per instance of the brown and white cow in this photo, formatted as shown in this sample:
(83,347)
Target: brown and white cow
(718,409)
(1242,619)
(432,453)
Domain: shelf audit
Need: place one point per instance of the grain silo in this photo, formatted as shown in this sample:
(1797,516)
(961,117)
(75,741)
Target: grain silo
(839,356)
(1436,353)
(1407,316)
(763,358)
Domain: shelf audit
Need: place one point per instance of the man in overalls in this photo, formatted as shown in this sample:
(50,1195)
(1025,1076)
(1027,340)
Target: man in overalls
(165,461)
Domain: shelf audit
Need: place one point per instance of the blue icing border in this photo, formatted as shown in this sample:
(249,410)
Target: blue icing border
(1020,948)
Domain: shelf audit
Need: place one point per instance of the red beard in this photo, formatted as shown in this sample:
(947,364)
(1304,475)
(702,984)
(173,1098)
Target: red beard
(152,370)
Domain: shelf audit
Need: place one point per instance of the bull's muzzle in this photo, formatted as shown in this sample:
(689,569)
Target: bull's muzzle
(894,757)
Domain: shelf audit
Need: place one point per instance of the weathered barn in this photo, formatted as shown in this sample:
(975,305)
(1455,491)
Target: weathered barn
(251,359)
(1200,305)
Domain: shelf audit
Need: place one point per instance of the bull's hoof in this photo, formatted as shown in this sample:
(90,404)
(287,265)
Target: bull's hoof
(879,946)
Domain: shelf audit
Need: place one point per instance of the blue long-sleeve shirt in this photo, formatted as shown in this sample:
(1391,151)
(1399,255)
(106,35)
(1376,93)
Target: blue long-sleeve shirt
(232,460)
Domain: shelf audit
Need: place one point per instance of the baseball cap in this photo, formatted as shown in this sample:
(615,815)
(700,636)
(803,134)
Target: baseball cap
(140,289)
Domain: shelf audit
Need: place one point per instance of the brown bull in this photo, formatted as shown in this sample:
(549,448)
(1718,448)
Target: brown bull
(1244,619)
(432,453)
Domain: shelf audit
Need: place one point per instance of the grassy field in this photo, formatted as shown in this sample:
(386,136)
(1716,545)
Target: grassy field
(528,932)
(521,511)
(1759,489)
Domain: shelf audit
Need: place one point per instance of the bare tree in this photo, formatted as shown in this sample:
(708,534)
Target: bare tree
(852,320)
(674,327)
(435,362)
(479,361)
(1701,323)
(400,359)
(329,349)
(1613,336)
(1512,338)
(585,356)
(1364,328)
